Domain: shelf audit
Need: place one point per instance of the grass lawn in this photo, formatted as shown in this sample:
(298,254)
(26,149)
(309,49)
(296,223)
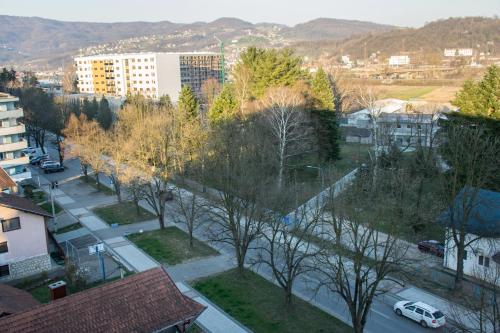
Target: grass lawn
(68,228)
(123,213)
(90,180)
(48,207)
(41,293)
(170,245)
(405,92)
(259,305)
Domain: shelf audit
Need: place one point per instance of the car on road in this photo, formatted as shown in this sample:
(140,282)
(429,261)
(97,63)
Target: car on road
(422,313)
(44,163)
(38,159)
(53,167)
(432,246)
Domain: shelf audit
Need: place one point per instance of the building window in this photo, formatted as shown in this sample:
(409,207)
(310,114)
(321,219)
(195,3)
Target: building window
(4,270)
(3,247)
(465,255)
(11,224)
(484,261)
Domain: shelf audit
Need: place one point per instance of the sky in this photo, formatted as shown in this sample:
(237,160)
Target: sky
(408,13)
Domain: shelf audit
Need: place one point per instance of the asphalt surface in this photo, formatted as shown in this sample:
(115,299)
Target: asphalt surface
(381,319)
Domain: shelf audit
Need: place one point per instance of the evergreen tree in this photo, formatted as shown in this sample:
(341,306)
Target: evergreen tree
(322,91)
(225,105)
(188,105)
(327,134)
(481,99)
(166,101)
(269,68)
(90,109)
(105,115)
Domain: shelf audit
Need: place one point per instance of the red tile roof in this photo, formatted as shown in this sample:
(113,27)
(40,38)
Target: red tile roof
(5,180)
(144,302)
(19,203)
(13,300)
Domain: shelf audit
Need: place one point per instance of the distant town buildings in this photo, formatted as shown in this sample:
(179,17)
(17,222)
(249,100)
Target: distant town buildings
(399,60)
(458,52)
(12,141)
(151,74)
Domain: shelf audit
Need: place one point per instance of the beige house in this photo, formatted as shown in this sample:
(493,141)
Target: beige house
(23,238)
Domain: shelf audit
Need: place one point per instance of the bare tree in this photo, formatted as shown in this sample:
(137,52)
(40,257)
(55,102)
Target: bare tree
(286,247)
(285,117)
(188,209)
(480,311)
(210,89)
(88,142)
(151,148)
(237,170)
(361,261)
(473,156)
(367,98)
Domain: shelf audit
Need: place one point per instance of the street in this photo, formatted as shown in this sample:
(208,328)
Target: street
(381,319)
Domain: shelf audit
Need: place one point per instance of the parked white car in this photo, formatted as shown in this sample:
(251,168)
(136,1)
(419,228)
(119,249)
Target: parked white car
(422,313)
(44,164)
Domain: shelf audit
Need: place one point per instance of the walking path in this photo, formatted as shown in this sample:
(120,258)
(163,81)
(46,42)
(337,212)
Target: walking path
(212,320)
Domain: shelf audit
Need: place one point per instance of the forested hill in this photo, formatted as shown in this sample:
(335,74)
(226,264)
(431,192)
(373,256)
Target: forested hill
(432,38)
(34,39)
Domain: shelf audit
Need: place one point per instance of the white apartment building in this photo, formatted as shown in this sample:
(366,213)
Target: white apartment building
(399,60)
(151,74)
(12,141)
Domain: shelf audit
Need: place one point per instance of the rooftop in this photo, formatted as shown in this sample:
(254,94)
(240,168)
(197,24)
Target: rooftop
(23,204)
(144,302)
(13,300)
(5,180)
(481,208)
(134,54)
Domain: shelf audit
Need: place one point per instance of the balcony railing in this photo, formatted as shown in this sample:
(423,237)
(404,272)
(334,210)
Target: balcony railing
(15,113)
(13,146)
(17,129)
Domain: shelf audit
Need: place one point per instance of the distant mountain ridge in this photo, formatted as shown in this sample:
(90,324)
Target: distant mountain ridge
(25,39)
(480,33)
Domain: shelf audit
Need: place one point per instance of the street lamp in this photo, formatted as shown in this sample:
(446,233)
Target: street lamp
(320,174)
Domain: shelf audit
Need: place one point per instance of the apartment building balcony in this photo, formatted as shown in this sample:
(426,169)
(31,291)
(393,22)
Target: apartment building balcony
(15,113)
(9,163)
(14,146)
(17,129)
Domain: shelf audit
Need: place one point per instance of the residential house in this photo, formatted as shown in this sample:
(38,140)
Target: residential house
(14,300)
(12,141)
(402,123)
(144,302)
(23,238)
(480,210)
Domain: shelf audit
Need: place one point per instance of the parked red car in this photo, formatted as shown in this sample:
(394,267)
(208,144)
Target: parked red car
(431,246)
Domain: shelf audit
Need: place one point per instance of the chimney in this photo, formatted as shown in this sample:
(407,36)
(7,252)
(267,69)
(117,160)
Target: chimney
(57,290)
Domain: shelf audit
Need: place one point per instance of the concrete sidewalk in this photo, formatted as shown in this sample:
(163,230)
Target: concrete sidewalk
(128,253)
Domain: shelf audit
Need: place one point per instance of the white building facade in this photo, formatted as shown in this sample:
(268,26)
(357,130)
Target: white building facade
(399,60)
(480,260)
(463,52)
(151,74)
(12,140)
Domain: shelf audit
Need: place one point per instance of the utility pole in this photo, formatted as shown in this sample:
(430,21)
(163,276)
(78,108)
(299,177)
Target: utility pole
(53,185)
(222,61)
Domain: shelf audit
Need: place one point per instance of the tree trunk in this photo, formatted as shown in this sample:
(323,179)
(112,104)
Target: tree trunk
(459,275)
(98,183)
(161,220)
(288,295)
(118,190)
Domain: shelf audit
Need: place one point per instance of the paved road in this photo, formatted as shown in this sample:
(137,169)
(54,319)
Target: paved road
(381,318)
